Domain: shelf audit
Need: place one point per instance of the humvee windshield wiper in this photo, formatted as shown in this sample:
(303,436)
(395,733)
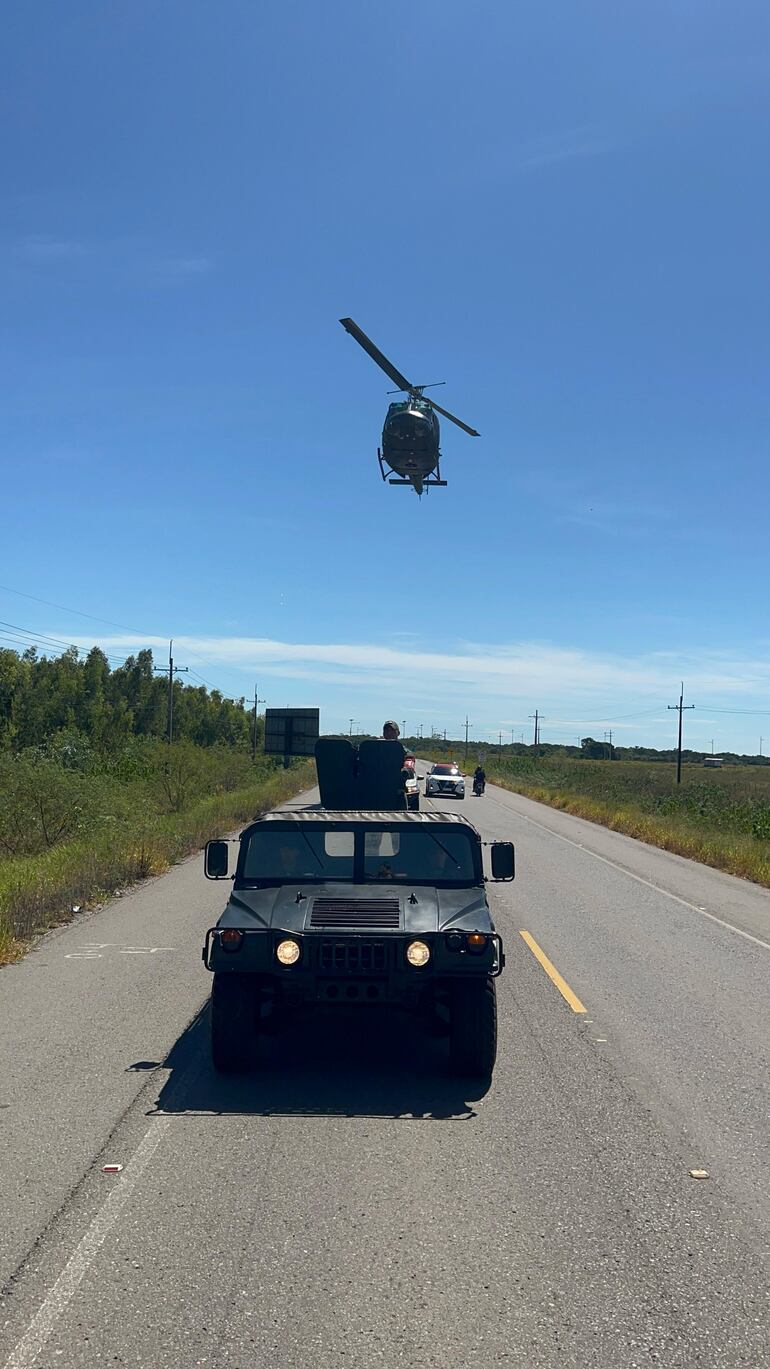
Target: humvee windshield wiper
(313,853)
(446,851)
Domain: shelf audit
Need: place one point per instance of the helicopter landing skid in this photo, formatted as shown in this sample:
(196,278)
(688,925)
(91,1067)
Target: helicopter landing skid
(386,473)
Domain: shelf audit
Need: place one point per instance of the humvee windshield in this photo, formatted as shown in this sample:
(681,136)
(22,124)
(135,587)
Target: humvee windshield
(418,856)
(274,856)
(413,855)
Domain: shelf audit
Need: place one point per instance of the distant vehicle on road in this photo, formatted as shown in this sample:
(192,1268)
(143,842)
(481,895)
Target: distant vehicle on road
(411,785)
(350,910)
(445,779)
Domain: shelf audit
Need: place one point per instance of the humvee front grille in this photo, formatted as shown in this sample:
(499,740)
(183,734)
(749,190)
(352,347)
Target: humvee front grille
(353,957)
(355,912)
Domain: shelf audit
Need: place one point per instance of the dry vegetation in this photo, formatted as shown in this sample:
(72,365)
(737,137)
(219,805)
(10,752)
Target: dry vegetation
(73,836)
(719,817)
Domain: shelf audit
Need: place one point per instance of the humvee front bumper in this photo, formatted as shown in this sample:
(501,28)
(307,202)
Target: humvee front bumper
(353,967)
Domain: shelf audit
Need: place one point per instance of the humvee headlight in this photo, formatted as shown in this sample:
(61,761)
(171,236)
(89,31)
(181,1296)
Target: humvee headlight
(287,952)
(417,953)
(476,941)
(231,939)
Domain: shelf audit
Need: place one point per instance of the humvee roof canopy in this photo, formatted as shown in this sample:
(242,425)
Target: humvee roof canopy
(380,816)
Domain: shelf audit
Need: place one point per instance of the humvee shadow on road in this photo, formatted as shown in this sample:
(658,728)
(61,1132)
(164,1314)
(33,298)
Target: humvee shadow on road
(348,906)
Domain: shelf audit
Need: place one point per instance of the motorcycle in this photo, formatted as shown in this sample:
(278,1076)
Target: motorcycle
(478,787)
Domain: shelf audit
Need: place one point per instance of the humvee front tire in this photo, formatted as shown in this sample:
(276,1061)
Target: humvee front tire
(473,1028)
(233,1023)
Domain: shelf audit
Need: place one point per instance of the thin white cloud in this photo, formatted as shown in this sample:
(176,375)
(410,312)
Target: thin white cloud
(563,145)
(48,250)
(118,257)
(177,268)
(517,671)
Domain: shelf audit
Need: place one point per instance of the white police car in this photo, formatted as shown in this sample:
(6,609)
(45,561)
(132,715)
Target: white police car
(445,778)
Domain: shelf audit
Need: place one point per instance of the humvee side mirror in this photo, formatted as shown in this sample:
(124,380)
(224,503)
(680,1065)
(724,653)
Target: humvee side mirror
(215,863)
(503,860)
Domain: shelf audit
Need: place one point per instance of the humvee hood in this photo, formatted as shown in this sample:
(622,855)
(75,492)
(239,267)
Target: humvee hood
(357,908)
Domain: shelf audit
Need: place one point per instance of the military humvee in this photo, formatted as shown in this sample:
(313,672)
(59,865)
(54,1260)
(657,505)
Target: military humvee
(352,909)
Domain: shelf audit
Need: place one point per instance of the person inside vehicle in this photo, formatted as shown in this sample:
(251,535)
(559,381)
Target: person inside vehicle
(390,731)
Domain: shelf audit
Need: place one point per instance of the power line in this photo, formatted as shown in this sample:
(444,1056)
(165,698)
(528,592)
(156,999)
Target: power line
(31,638)
(42,638)
(172,671)
(680,708)
(78,612)
(537,717)
(745,712)
(94,618)
(257,702)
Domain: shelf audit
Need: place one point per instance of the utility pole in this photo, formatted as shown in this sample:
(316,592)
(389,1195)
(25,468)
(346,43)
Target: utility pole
(403,727)
(467,725)
(538,718)
(499,743)
(350,733)
(172,671)
(680,708)
(760,745)
(257,702)
(608,740)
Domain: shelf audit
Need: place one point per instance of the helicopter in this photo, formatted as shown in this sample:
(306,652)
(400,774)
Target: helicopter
(410,434)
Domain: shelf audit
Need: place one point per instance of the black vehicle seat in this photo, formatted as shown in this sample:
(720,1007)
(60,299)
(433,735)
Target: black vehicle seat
(380,781)
(335,760)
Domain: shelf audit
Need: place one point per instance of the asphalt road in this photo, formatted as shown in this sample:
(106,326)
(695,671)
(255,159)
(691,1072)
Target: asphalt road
(353,1204)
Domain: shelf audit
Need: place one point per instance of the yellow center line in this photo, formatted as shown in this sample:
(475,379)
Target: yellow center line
(553,974)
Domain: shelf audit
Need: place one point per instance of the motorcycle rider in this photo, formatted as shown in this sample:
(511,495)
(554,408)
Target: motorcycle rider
(479,778)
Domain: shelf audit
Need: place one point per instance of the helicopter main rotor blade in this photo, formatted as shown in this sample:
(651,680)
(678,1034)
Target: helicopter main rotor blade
(375,354)
(446,414)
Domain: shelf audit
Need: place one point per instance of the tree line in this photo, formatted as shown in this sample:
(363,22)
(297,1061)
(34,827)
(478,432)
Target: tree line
(42,697)
(590,749)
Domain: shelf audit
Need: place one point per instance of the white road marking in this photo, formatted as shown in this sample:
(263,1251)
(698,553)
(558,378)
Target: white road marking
(640,880)
(68,1282)
(143,950)
(93,950)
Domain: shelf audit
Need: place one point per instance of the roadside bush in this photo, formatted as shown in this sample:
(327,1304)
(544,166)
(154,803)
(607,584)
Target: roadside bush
(68,838)
(43,804)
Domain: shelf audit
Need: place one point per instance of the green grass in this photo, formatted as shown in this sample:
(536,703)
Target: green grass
(719,817)
(38,891)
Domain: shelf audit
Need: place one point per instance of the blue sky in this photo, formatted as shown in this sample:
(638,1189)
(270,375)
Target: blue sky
(561,210)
